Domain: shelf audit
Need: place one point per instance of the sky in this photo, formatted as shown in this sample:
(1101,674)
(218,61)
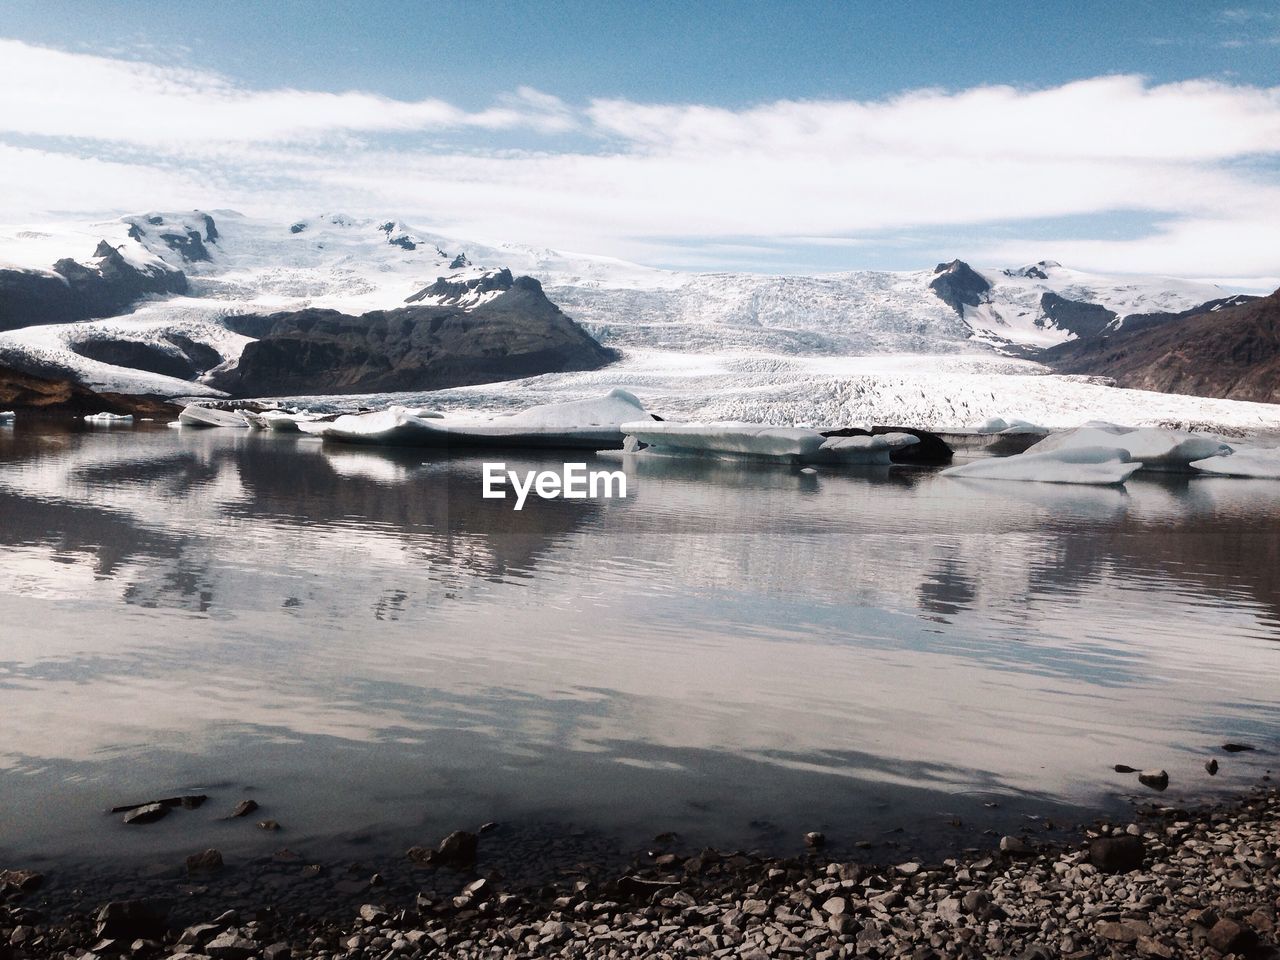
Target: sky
(779,137)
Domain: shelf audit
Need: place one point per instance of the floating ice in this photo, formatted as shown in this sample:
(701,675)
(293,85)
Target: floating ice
(1001,425)
(593,424)
(108,418)
(729,439)
(875,449)
(7,416)
(194,415)
(1154,449)
(1260,462)
(1100,465)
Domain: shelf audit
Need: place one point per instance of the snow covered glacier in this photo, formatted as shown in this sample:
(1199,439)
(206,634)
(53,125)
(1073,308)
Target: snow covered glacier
(837,349)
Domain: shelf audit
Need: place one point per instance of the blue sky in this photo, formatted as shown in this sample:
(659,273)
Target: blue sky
(679,133)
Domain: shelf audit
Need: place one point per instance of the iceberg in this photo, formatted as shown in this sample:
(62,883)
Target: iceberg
(731,439)
(594,424)
(194,415)
(1152,448)
(7,416)
(108,418)
(1259,462)
(1001,425)
(1102,466)
(857,450)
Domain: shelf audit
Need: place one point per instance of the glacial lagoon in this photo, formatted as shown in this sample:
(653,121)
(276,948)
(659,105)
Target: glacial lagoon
(739,653)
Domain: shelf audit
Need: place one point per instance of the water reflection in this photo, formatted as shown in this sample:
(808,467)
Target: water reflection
(362,637)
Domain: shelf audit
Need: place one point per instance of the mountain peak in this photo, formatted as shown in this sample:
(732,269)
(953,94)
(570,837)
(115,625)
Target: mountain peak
(468,292)
(958,285)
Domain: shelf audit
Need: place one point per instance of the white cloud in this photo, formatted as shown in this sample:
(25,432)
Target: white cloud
(617,177)
(51,93)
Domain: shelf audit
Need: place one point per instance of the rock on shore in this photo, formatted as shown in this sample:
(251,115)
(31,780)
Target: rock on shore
(1180,884)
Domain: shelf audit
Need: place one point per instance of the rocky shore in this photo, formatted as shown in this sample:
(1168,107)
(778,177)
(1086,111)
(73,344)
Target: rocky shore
(1173,883)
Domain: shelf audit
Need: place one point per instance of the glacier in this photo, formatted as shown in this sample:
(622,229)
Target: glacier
(831,350)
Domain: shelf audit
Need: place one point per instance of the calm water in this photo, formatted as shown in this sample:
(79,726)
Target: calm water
(739,653)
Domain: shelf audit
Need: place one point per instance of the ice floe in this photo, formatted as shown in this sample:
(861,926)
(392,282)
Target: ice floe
(194,415)
(1099,465)
(730,439)
(1001,425)
(857,450)
(1258,462)
(1154,449)
(108,418)
(592,424)
(7,416)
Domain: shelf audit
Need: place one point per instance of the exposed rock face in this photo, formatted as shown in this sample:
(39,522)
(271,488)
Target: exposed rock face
(1076,316)
(1225,349)
(176,356)
(443,342)
(74,291)
(24,391)
(958,285)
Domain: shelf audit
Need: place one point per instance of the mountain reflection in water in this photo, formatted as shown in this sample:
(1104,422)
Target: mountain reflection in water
(371,646)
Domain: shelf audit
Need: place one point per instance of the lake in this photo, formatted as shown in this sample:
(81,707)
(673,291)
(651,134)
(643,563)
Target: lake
(737,652)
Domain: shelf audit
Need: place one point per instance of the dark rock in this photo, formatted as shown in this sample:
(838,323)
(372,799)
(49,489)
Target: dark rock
(1117,854)
(209,861)
(448,343)
(958,285)
(457,850)
(108,285)
(1226,348)
(1125,768)
(1237,747)
(1155,779)
(210,228)
(174,355)
(268,825)
(147,813)
(187,802)
(244,808)
(1231,936)
(188,244)
(1211,766)
(21,881)
(277,951)
(297,227)
(459,262)
(130,920)
(815,840)
(1075,316)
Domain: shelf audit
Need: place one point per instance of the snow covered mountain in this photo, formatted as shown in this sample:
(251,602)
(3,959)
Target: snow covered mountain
(234,266)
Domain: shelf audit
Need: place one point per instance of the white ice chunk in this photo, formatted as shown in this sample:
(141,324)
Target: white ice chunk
(1010,425)
(7,416)
(729,439)
(1103,466)
(615,408)
(1260,462)
(875,449)
(589,424)
(194,415)
(108,418)
(1154,449)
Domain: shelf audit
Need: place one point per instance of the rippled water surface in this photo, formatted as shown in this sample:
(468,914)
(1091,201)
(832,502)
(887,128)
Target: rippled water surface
(740,653)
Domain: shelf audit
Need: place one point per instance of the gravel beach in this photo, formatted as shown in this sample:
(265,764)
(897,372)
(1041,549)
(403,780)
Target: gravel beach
(1175,883)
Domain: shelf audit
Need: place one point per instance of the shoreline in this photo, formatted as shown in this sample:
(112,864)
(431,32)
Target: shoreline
(1200,882)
